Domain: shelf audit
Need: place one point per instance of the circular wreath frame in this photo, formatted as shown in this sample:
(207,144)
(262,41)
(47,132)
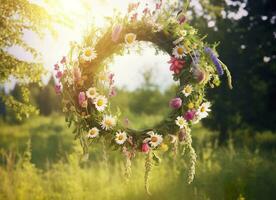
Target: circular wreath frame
(163,40)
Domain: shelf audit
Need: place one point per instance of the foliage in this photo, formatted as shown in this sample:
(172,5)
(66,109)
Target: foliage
(222,172)
(17,18)
(247,47)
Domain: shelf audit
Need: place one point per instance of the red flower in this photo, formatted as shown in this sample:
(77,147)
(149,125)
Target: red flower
(176,65)
(145,148)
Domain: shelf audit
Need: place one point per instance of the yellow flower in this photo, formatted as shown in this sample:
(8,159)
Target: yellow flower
(164,147)
(130,38)
(191,105)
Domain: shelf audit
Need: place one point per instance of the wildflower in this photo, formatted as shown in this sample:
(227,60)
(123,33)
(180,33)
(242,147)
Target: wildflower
(116,32)
(56,66)
(121,137)
(188,89)
(111,79)
(176,103)
(88,54)
(215,60)
(181,122)
(190,105)
(93,132)
(145,147)
(100,103)
(203,110)
(58,88)
(154,140)
(92,93)
(130,38)
(63,60)
(59,74)
(76,74)
(176,65)
(200,74)
(108,122)
(179,52)
(82,100)
(190,115)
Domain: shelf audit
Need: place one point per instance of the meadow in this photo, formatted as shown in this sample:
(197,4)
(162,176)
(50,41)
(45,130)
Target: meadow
(40,160)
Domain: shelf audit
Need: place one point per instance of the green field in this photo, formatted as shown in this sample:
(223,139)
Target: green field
(40,160)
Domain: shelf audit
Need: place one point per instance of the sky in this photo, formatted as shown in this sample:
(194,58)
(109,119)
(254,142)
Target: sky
(128,69)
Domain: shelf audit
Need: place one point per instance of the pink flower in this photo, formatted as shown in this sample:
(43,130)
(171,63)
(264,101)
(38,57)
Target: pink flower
(176,103)
(58,88)
(145,148)
(56,66)
(158,5)
(190,115)
(111,79)
(176,65)
(59,75)
(181,18)
(82,99)
(112,92)
(63,60)
(116,32)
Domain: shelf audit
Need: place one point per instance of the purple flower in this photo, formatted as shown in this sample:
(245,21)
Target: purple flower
(190,115)
(111,79)
(215,60)
(175,103)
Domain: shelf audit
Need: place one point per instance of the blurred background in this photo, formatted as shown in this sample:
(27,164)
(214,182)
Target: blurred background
(39,158)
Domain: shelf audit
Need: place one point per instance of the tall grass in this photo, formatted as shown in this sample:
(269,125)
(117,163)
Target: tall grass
(222,173)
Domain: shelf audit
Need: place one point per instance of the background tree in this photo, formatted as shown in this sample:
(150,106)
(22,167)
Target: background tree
(17,16)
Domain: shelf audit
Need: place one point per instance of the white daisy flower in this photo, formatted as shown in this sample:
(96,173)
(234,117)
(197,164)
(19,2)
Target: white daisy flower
(93,132)
(179,51)
(130,38)
(203,110)
(92,93)
(108,122)
(187,90)
(121,137)
(181,122)
(154,140)
(100,103)
(88,54)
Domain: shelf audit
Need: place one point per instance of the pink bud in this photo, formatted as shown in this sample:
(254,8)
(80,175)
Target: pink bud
(56,66)
(145,148)
(116,32)
(82,99)
(63,60)
(176,103)
(181,18)
(58,88)
(59,75)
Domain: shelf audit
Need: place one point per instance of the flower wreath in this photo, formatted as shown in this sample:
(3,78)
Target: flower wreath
(86,85)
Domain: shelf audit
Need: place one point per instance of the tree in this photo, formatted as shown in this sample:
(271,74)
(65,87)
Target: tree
(17,16)
(247,48)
